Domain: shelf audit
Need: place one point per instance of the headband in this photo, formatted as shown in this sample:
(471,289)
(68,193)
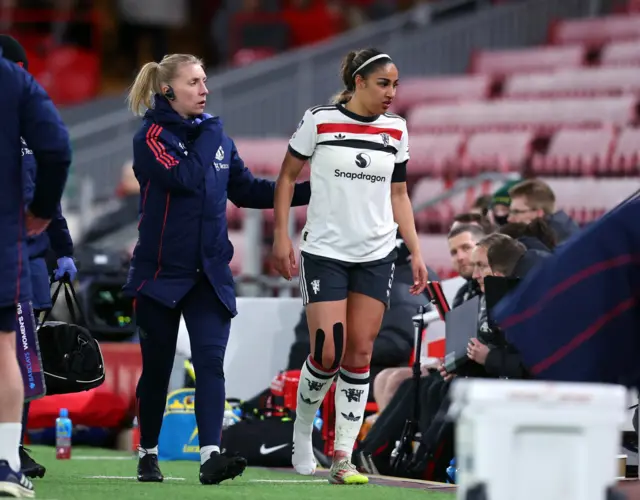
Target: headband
(369,61)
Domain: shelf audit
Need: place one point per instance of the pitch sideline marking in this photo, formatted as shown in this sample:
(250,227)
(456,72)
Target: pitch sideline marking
(106,457)
(129,478)
(287,481)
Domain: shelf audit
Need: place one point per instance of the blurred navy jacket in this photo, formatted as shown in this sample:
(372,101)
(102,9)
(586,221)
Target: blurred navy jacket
(27,112)
(577,318)
(187,170)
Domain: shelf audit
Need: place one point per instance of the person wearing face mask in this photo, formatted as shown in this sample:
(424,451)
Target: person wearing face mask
(500,203)
(358,154)
(187,169)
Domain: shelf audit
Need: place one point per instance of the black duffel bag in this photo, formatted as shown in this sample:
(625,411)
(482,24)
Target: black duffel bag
(71,358)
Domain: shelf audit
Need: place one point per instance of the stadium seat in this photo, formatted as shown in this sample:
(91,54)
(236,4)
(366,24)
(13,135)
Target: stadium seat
(621,54)
(576,152)
(234,216)
(496,152)
(596,30)
(506,62)
(299,214)
(586,199)
(523,114)
(435,251)
(625,159)
(434,155)
(595,81)
(436,218)
(237,239)
(262,156)
(447,88)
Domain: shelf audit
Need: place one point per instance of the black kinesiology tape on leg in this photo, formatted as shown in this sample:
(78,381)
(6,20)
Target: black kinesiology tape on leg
(338,343)
(317,351)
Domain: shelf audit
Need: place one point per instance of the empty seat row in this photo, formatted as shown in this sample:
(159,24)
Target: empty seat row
(591,152)
(593,81)
(537,115)
(595,31)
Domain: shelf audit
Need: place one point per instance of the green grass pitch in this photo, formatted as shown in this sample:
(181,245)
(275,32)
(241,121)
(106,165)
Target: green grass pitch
(94,474)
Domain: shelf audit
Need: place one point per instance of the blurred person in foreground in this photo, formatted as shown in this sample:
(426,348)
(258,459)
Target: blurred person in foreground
(358,153)
(27,113)
(187,168)
(578,317)
(56,237)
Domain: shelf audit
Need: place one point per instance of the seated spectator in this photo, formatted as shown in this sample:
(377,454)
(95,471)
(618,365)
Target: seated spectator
(532,199)
(537,235)
(474,218)
(501,202)
(462,240)
(481,205)
(311,22)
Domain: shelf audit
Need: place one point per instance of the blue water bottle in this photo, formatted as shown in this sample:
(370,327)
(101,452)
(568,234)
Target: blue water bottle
(451,471)
(317,422)
(64,431)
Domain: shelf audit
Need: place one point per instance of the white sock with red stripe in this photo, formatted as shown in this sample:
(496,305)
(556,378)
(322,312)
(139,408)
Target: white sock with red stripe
(315,382)
(352,392)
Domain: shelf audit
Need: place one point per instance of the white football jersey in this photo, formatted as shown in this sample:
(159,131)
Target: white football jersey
(352,159)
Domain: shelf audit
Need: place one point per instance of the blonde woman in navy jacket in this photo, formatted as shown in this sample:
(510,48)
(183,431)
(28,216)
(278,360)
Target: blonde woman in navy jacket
(187,168)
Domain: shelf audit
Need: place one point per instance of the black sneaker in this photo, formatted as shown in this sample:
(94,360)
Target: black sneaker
(220,468)
(148,469)
(29,467)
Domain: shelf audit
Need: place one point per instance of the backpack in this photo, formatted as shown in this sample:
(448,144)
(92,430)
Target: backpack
(71,358)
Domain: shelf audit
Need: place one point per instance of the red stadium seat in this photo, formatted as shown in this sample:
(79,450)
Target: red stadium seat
(523,114)
(505,62)
(262,156)
(496,152)
(448,88)
(433,155)
(586,199)
(299,214)
(234,216)
(626,155)
(576,152)
(621,54)
(596,81)
(237,239)
(436,218)
(597,30)
(435,251)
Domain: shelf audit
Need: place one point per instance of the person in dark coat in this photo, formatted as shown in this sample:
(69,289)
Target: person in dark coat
(27,113)
(577,317)
(187,168)
(55,237)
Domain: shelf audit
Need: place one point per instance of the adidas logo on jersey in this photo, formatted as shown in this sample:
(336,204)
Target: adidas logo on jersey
(340,136)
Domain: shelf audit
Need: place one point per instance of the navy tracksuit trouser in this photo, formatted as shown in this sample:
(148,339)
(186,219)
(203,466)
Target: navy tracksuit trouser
(208,322)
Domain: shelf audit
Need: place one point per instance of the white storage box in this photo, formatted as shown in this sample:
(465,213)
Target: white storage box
(530,440)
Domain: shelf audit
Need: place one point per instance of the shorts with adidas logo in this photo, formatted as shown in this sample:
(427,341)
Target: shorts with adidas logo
(323,279)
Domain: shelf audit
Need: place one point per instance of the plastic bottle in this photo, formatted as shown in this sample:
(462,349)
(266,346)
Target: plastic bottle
(317,422)
(64,431)
(452,471)
(135,436)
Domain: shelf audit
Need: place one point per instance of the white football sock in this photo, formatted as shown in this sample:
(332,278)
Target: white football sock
(9,442)
(313,386)
(147,451)
(206,451)
(352,392)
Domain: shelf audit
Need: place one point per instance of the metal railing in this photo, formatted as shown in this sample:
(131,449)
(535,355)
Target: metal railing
(269,97)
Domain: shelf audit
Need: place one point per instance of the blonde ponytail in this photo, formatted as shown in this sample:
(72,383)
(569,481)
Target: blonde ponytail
(146,84)
(152,76)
